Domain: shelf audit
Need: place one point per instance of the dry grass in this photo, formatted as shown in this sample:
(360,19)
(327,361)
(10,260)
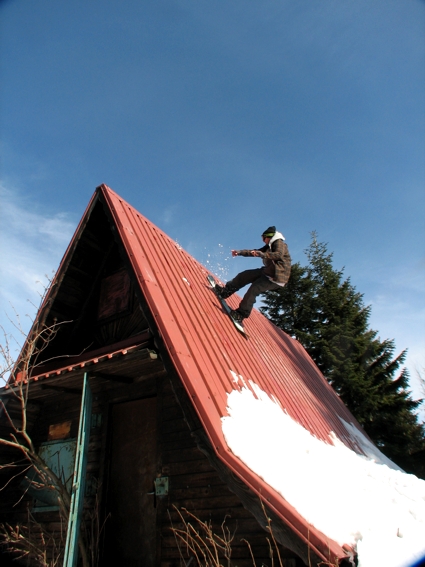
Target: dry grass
(33,543)
(200,546)
(197,540)
(198,543)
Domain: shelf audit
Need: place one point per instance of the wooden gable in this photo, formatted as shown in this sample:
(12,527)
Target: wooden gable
(92,303)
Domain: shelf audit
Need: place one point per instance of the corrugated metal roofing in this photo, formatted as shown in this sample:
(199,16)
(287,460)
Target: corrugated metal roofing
(88,361)
(208,353)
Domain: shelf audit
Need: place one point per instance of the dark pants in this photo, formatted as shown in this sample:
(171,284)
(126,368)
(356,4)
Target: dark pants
(260,284)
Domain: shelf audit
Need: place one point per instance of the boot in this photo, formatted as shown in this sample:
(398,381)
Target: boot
(236,316)
(224,292)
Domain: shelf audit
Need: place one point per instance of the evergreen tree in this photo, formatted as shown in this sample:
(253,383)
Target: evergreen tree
(326,314)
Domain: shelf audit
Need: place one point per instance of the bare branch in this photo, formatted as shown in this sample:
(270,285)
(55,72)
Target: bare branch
(17,374)
(13,477)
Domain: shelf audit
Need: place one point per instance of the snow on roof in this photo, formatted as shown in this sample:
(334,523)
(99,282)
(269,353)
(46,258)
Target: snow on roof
(365,501)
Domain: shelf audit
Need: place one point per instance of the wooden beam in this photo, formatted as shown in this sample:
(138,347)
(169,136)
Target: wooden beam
(61,389)
(113,377)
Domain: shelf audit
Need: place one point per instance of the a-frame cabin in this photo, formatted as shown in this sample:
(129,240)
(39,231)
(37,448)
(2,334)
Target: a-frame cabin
(138,323)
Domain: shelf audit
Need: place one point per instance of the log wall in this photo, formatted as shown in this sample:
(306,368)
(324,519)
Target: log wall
(194,483)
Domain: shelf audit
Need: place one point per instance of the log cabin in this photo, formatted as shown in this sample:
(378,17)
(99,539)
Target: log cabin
(136,379)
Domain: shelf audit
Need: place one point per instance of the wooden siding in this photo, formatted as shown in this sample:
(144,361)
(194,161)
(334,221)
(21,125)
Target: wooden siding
(194,483)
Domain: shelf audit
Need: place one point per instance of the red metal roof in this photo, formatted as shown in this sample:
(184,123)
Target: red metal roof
(207,352)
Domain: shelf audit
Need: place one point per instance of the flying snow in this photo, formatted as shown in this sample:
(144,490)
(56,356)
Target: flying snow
(363,501)
(216,262)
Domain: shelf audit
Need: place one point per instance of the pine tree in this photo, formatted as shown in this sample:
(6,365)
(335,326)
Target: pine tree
(326,314)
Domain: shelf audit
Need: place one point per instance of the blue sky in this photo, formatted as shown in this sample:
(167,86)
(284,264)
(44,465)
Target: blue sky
(215,120)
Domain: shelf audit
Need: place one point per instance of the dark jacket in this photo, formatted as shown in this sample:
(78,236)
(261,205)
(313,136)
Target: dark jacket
(276,259)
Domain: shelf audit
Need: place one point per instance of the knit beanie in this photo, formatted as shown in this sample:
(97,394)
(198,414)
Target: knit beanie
(269,232)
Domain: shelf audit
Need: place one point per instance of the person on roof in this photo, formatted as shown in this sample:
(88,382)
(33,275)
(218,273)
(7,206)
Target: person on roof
(274,274)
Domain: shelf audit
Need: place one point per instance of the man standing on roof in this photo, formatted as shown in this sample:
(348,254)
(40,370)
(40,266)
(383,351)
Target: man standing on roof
(274,274)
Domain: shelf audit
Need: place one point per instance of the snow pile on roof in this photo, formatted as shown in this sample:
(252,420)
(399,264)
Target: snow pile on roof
(350,498)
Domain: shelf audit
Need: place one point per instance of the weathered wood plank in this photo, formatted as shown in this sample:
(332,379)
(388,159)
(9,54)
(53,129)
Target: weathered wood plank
(171,469)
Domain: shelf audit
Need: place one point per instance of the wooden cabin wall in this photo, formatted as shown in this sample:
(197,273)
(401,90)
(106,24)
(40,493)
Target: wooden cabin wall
(193,482)
(12,494)
(16,506)
(196,486)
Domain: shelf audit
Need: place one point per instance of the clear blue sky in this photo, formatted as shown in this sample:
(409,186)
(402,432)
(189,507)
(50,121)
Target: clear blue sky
(216,119)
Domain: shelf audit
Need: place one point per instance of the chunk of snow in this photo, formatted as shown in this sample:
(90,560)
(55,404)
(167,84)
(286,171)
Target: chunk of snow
(352,499)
